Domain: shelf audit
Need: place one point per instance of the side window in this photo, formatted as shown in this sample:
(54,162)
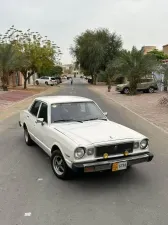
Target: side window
(43,112)
(93,109)
(35,107)
(41,77)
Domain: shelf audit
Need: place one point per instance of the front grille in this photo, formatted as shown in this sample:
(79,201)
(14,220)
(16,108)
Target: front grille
(114,149)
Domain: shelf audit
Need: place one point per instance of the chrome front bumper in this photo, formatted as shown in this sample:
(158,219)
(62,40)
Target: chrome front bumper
(107,164)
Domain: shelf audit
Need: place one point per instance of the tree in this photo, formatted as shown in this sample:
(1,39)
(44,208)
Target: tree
(94,49)
(36,54)
(135,65)
(160,55)
(26,52)
(54,71)
(112,70)
(8,56)
(8,61)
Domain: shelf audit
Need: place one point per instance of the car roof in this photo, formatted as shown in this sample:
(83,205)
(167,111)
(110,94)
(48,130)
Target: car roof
(62,99)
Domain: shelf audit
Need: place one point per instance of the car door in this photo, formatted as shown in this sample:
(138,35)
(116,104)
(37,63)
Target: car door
(32,117)
(140,85)
(42,129)
(40,80)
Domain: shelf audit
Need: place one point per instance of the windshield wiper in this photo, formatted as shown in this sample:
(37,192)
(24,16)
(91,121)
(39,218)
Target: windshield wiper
(97,119)
(70,120)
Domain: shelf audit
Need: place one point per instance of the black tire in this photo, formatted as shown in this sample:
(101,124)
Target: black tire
(37,83)
(66,172)
(151,90)
(126,90)
(46,83)
(27,137)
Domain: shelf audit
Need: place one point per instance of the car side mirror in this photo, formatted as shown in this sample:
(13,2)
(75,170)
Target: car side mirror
(105,113)
(40,120)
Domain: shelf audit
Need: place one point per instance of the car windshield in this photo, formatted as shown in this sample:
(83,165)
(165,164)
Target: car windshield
(76,111)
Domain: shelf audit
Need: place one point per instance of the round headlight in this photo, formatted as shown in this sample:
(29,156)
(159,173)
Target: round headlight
(143,143)
(90,151)
(79,153)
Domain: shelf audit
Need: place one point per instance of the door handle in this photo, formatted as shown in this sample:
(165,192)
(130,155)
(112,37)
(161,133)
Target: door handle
(27,117)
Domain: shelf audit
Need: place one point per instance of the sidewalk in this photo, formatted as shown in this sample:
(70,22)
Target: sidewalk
(145,105)
(13,101)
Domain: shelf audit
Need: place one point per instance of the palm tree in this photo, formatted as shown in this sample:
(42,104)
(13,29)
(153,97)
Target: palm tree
(135,65)
(112,71)
(8,62)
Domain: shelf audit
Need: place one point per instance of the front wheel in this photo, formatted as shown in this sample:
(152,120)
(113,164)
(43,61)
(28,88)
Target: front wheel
(151,90)
(59,166)
(27,137)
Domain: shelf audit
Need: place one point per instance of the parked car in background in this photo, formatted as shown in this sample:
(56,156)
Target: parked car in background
(146,85)
(46,80)
(78,136)
(69,77)
(58,80)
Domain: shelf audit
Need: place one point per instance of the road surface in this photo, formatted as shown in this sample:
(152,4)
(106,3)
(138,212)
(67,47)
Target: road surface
(30,194)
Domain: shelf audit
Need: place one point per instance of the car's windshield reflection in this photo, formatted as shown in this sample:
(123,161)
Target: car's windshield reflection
(75,112)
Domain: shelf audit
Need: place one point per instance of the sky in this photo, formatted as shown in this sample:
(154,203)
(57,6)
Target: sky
(139,22)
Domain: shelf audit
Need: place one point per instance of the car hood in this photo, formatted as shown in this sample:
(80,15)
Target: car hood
(93,132)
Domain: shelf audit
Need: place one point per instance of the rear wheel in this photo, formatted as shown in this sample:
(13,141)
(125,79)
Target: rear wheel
(37,83)
(27,137)
(46,83)
(59,166)
(126,90)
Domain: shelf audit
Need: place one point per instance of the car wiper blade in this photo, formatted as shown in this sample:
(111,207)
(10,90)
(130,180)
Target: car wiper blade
(57,121)
(96,119)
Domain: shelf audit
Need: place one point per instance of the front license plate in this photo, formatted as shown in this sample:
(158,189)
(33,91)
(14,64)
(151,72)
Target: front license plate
(119,166)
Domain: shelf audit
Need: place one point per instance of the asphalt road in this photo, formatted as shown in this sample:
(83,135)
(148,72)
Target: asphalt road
(30,194)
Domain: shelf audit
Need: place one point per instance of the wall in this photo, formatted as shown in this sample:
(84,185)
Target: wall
(165,49)
(147,49)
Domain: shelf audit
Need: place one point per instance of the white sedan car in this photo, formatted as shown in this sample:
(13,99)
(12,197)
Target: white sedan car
(46,80)
(78,136)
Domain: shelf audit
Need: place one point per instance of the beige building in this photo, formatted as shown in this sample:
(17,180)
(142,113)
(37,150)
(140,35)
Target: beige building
(147,49)
(165,49)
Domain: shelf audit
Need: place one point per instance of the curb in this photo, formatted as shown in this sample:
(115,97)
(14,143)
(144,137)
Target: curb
(125,107)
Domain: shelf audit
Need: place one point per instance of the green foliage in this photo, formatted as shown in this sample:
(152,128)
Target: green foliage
(54,71)
(94,49)
(135,65)
(160,55)
(27,52)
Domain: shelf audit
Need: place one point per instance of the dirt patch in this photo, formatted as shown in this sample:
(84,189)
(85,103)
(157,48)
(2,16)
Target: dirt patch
(145,105)
(9,108)
(33,89)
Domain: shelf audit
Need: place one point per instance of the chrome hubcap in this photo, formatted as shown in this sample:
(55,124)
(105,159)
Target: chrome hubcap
(151,90)
(126,91)
(58,165)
